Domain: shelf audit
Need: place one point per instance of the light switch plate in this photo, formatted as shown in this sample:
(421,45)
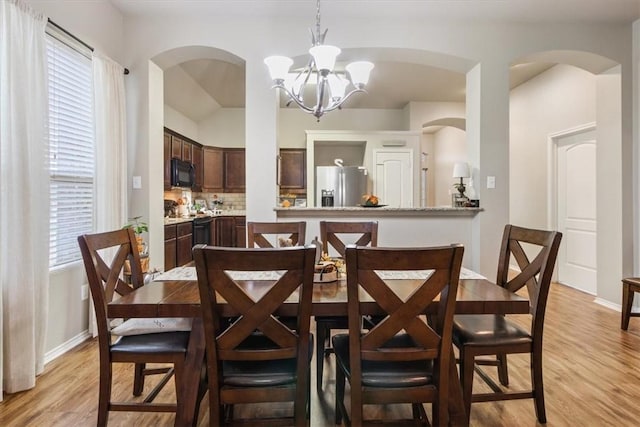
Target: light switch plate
(137,182)
(491,182)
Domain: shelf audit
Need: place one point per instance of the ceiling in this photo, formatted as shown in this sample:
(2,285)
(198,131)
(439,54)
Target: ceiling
(197,88)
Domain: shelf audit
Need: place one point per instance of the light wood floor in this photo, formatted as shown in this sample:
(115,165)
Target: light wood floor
(592,378)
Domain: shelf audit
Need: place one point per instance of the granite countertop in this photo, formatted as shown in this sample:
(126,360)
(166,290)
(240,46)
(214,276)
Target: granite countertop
(379,211)
(228,212)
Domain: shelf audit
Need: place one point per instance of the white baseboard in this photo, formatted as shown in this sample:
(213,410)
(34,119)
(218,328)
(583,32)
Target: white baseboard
(609,304)
(66,346)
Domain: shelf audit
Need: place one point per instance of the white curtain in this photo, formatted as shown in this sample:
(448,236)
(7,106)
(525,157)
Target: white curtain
(111,143)
(111,148)
(24,195)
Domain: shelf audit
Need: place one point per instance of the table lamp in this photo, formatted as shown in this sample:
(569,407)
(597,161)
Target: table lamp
(461,170)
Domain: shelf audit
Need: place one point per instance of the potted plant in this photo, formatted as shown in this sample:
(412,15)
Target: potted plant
(139,227)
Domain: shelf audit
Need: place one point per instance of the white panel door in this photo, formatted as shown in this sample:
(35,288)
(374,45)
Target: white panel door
(576,179)
(393,177)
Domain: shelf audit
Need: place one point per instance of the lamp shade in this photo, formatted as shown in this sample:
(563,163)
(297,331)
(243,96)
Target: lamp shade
(325,56)
(359,72)
(337,85)
(461,170)
(278,66)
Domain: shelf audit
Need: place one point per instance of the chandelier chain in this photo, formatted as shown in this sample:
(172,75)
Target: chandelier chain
(318,22)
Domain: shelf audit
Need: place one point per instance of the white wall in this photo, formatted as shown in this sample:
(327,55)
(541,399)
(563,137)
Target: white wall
(224,128)
(293,123)
(178,122)
(449,147)
(559,99)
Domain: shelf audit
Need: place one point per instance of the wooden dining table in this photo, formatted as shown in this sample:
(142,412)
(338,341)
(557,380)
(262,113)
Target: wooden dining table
(180,298)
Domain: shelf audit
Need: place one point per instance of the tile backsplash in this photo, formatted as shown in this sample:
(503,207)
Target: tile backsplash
(236,201)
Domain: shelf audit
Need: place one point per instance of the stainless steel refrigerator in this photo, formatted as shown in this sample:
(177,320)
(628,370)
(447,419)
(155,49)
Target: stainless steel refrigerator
(346,184)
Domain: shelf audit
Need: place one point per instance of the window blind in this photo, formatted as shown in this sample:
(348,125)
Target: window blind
(71,162)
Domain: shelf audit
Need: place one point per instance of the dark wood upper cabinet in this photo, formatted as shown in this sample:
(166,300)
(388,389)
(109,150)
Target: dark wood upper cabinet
(293,170)
(176,147)
(186,151)
(167,161)
(212,168)
(197,160)
(234,170)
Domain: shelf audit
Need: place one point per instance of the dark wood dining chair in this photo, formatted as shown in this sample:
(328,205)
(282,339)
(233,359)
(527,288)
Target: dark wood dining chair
(105,281)
(535,252)
(256,357)
(630,286)
(258,232)
(331,234)
(404,358)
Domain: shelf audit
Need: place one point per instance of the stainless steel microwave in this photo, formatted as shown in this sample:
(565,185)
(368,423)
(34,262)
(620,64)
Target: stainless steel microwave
(182,173)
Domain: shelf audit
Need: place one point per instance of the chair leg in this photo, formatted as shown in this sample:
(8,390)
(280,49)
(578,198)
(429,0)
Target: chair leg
(467,359)
(104,394)
(138,379)
(340,384)
(538,388)
(321,332)
(627,303)
(503,371)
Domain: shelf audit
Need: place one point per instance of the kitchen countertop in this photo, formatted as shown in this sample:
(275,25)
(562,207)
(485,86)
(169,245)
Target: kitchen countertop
(228,212)
(380,211)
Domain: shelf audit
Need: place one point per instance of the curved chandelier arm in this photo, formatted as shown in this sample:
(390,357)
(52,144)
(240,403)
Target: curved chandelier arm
(341,101)
(280,85)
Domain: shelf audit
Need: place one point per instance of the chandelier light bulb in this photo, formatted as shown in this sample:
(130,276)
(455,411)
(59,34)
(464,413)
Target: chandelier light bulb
(324,57)
(278,66)
(359,72)
(337,86)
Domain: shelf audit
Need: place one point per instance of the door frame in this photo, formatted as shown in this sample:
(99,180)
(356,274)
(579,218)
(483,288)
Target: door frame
(552,175)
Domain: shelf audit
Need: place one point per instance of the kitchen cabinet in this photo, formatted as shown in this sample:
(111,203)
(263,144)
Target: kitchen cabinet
(230,231)
(178,241)
(167,161)
(184,243)
(197,160)
(234,170)
(240,224)
(176,147)
(292,170)
(169,247)
(212,169)
(180,147)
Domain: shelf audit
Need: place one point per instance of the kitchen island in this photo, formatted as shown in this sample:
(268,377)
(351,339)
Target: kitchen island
(399,227)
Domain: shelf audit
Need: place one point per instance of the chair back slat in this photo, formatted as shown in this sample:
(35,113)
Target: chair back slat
(439,285)
(257,232)
(329,231)
(535,253)
(254,316)
(105,275)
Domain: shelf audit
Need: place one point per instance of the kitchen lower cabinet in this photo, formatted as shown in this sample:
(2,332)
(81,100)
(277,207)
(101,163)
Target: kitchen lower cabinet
(184,243)
(169,247)
(240,224)
(230,231)
(178,241)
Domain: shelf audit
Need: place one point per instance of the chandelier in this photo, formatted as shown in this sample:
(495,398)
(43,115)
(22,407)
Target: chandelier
(331,86)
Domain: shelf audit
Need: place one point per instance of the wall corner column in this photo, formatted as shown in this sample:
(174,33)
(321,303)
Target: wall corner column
(488,151)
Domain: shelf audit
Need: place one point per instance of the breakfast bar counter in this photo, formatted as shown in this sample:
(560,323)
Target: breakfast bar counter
(399,227)
(373,211)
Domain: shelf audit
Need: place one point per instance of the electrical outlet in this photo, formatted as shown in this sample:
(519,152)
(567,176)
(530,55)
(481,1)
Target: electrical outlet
(84,292)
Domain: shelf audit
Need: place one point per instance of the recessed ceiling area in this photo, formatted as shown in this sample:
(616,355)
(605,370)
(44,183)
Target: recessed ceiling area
(197,88)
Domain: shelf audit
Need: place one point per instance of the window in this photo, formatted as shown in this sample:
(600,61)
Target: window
(71,139)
